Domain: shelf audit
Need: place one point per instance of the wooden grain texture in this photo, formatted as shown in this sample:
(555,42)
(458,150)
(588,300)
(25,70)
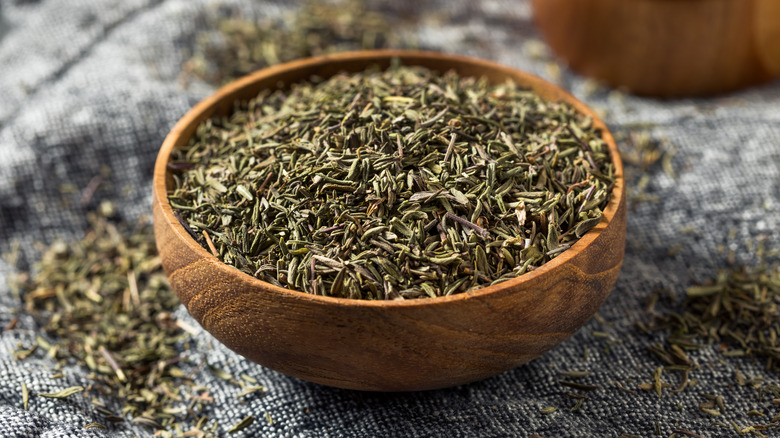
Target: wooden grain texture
(666,48)
(388,345)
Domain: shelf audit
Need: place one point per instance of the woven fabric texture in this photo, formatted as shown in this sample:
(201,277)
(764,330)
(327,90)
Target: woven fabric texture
(90,85)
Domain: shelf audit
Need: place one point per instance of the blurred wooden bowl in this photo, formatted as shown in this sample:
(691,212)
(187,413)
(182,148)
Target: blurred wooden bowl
(388,345)
(666,48)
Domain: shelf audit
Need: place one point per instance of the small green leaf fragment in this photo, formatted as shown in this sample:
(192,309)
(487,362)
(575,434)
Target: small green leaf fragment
(67,392)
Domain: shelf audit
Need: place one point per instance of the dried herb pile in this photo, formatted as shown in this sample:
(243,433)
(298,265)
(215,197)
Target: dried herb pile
(318,27)
(392,184)
(739,311)
(644,157)
(106,303)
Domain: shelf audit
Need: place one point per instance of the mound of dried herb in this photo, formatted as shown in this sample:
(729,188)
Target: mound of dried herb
(739,310)
(316,28)
(644,157)
(106,303)
(392,184)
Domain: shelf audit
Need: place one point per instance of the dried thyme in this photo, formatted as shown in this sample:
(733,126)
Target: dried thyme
(395,184)
(739,310)
(245,45)
(105,304)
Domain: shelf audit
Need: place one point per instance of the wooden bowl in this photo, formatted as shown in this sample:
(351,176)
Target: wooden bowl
(416,344)
(666,48)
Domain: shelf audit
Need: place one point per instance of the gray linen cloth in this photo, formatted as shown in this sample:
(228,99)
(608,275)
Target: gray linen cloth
(87,85)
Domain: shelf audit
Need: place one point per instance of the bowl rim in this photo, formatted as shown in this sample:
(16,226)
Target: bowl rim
(408,57)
